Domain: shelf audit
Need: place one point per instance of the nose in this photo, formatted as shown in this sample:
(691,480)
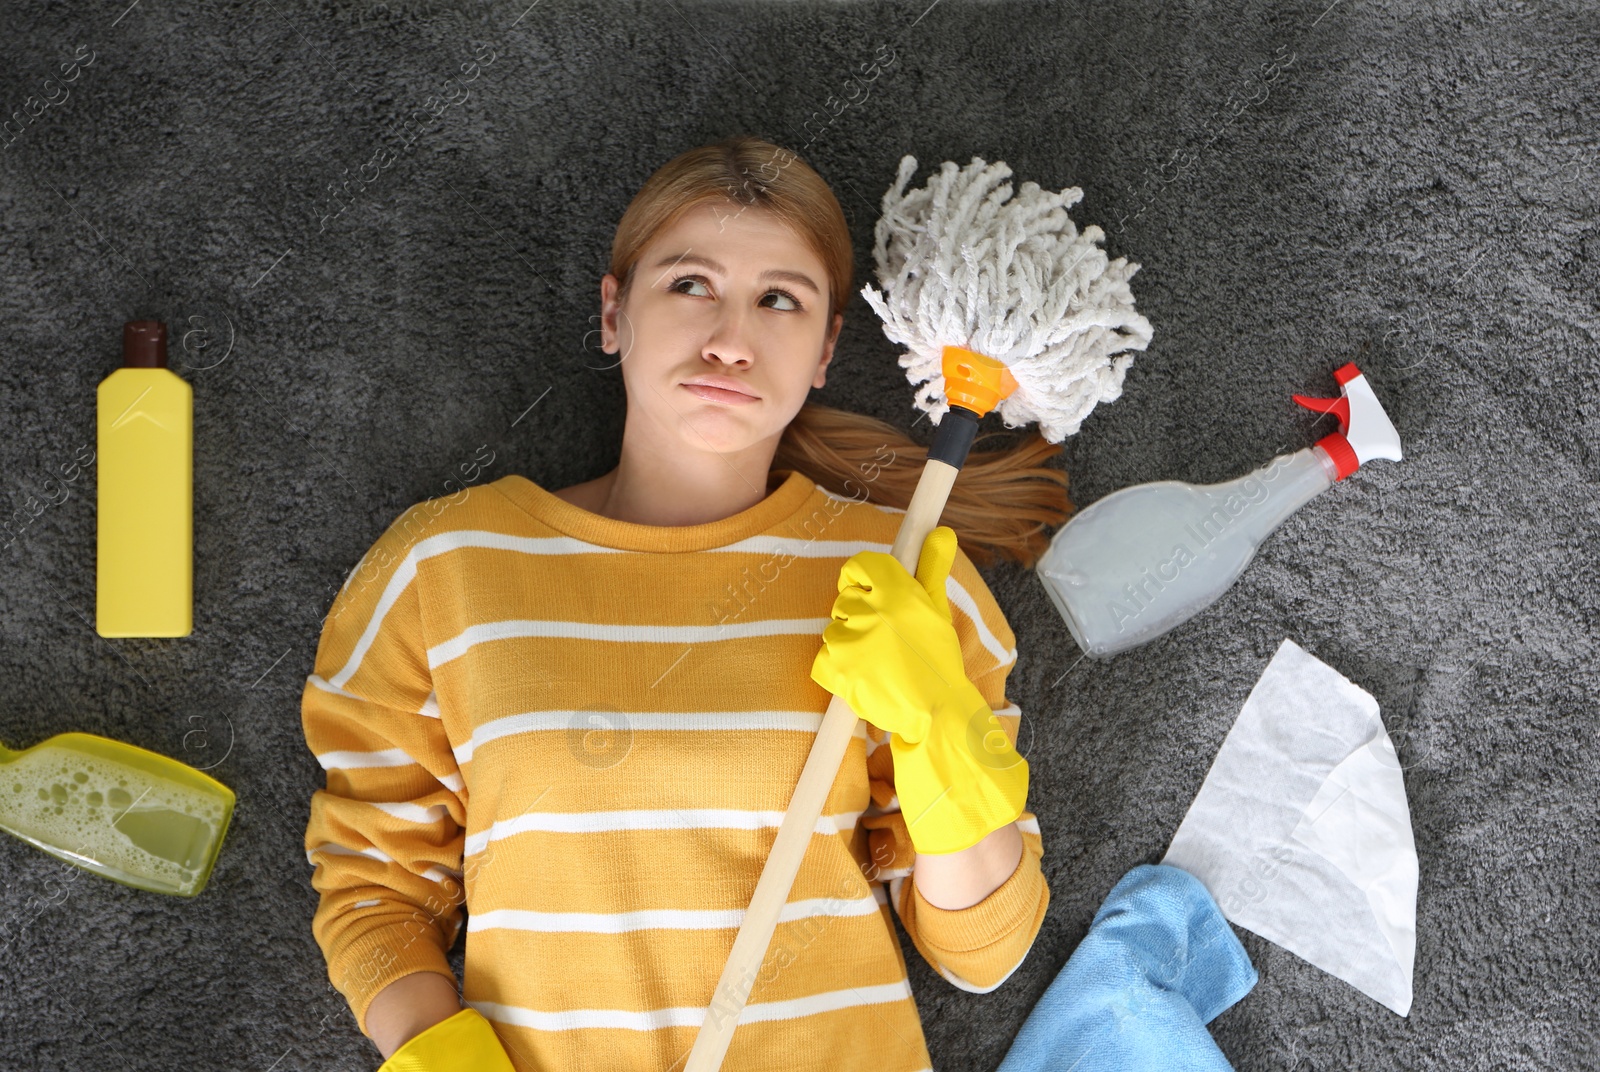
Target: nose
(729,346)
(723,356)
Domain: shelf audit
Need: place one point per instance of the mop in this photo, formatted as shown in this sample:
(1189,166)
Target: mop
(1002,306)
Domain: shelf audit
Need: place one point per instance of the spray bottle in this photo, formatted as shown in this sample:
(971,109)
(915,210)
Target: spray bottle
(1144,560)
(144,510)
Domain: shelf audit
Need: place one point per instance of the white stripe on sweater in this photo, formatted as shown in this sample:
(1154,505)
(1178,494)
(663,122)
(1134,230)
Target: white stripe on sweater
(643,721)
(974,988)
(326,686)
(458,645)
(345,850)
(430,706)
(691,1015)
(797,547)
(836,497)
(668,918)
(591,822)
(435,872)
(961,598)
(412,813)
(345,760)
(388,757)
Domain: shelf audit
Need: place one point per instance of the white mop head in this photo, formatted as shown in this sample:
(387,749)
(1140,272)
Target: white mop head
(1012,279)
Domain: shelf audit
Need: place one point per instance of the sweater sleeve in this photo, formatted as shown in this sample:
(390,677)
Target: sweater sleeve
(385,836)
(978,947)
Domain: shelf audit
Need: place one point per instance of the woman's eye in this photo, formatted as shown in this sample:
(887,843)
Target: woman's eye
(786,296)
(676,283)
(795,306)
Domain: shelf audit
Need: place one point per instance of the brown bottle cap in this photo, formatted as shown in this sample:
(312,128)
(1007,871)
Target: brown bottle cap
(144,344)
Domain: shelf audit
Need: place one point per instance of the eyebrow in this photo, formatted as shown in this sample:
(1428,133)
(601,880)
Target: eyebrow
(706,262)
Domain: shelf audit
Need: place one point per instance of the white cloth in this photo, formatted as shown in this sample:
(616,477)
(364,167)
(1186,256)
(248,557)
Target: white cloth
(1301,830)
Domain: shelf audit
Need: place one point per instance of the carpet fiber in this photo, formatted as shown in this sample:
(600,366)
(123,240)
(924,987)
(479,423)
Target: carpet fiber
(1408,186)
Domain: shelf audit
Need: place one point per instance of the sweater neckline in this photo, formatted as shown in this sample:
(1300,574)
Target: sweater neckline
(574,521)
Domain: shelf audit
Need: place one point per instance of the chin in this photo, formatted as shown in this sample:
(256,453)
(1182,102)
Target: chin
(722,432)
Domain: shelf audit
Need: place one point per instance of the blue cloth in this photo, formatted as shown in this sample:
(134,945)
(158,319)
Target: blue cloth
(1159,963)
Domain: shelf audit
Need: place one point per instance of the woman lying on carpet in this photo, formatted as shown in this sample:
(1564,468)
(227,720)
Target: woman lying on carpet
(579,714)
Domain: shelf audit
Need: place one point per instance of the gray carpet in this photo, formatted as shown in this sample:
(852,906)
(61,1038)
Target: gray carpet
(1414,189)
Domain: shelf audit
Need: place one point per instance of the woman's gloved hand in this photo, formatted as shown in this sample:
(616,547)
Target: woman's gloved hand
(892,653)
(465,1042)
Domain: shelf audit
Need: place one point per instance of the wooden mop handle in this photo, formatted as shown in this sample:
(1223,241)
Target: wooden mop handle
(974,383)
(805,808)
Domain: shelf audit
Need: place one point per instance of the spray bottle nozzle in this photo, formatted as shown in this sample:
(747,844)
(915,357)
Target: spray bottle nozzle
(1365,431)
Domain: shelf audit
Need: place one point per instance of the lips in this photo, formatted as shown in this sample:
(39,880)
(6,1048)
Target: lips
(716,392)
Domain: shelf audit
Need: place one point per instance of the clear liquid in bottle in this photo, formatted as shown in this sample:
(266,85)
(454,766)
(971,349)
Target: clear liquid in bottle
(1146,559)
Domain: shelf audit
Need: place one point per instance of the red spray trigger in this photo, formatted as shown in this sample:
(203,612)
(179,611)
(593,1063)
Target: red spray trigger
(1339,407)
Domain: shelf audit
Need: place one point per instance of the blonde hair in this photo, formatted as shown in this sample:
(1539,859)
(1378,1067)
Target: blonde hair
(1005,497)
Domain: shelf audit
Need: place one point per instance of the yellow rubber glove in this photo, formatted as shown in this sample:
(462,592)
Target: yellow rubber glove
(892,653)
(465,1042)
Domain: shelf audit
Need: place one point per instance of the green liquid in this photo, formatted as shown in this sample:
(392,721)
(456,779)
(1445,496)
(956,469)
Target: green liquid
(170,835)
(131,815)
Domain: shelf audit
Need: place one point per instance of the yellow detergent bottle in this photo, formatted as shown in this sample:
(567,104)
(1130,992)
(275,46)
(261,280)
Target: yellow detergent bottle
(132,815)
(144,579)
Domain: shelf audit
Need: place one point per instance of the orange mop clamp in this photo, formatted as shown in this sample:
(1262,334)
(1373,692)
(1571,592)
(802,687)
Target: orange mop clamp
(974,384)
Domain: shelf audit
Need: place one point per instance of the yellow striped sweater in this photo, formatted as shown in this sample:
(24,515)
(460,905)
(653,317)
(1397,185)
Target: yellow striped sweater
(584,732)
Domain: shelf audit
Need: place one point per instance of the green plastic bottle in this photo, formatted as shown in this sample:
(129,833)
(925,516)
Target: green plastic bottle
(121,811)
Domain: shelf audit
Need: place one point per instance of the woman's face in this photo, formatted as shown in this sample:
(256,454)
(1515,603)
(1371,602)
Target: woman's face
(716,354)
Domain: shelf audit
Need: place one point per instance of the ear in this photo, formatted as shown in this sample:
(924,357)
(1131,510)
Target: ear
(827,351)
(608,313)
